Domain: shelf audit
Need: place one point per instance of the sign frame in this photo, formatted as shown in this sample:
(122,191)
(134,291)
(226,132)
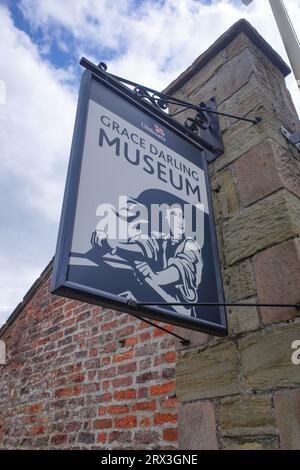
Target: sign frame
(60,285)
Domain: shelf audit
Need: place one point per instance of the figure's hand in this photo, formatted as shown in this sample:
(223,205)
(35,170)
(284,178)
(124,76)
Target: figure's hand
(143,271)
(98,237)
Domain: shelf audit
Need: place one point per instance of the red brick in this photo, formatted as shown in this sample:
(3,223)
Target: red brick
(78,378)
(129,394)
(36,408)
(73,426)
(163,388)
(109,326)
(125,331)
(169,358)
(170,403)
(144,405)
(105,384)
(35,430)
(145,336)
(126,368)
(102,410)
(106,396)
(158,332)
(162,418)
(122,382)
(123,356)
(117,409)
(145,422)
(101,438)
(170,434)
(68,391)
(59,439)
(143,392)
(130,342)
(106,361)
(102,424)
(126,422)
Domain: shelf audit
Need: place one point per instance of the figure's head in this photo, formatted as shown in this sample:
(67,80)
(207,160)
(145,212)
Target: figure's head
(175,217)
(166,213)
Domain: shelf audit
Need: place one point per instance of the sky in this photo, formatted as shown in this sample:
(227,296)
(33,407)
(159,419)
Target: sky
(41,42)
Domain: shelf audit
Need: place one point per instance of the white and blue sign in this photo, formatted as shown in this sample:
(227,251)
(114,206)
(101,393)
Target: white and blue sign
(137,222)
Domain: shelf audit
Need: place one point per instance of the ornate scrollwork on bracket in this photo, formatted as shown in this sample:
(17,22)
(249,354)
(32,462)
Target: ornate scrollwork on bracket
(200,122)
(153,98)
(102,66)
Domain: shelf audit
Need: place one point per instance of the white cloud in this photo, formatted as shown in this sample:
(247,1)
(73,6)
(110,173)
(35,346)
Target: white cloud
(36,127)
(150,42)
(157,39)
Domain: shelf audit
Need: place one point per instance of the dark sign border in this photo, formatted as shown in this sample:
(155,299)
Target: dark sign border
(60,285)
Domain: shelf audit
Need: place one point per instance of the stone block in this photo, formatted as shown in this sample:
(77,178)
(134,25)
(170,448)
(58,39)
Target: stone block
(224,193)
(239,281)
(247,416)
(266,358)
(264,169)
(277,274)
(197,426)
(269,221)
(243,136)
(212,372)
(287,411)
(200,78)
(250,444)
(225,81)
(243,319)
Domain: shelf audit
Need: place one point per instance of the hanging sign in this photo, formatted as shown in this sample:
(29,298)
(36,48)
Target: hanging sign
(137,222)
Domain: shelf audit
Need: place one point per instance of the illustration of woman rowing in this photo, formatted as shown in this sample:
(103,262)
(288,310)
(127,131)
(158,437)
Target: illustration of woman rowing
(169,262)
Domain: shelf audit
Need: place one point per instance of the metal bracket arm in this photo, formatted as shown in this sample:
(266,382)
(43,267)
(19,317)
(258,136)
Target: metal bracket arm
(162,100)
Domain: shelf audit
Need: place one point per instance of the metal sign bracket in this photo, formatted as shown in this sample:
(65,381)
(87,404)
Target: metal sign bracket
(204,125)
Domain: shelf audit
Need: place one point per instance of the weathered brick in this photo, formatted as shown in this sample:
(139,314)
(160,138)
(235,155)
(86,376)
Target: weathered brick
(146,437)
(129,394)
(162,418)
(161,389)
(86,438)
(126,422)
(170,434)
(59,439)
(144,405)
(102,423)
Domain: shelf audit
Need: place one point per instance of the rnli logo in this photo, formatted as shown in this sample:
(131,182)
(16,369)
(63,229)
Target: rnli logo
(156,130)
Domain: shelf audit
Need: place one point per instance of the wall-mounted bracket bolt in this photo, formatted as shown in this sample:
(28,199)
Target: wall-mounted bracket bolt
(292,138)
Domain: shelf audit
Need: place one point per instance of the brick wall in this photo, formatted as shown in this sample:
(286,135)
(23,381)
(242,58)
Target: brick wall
(243,392)
(78,376)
